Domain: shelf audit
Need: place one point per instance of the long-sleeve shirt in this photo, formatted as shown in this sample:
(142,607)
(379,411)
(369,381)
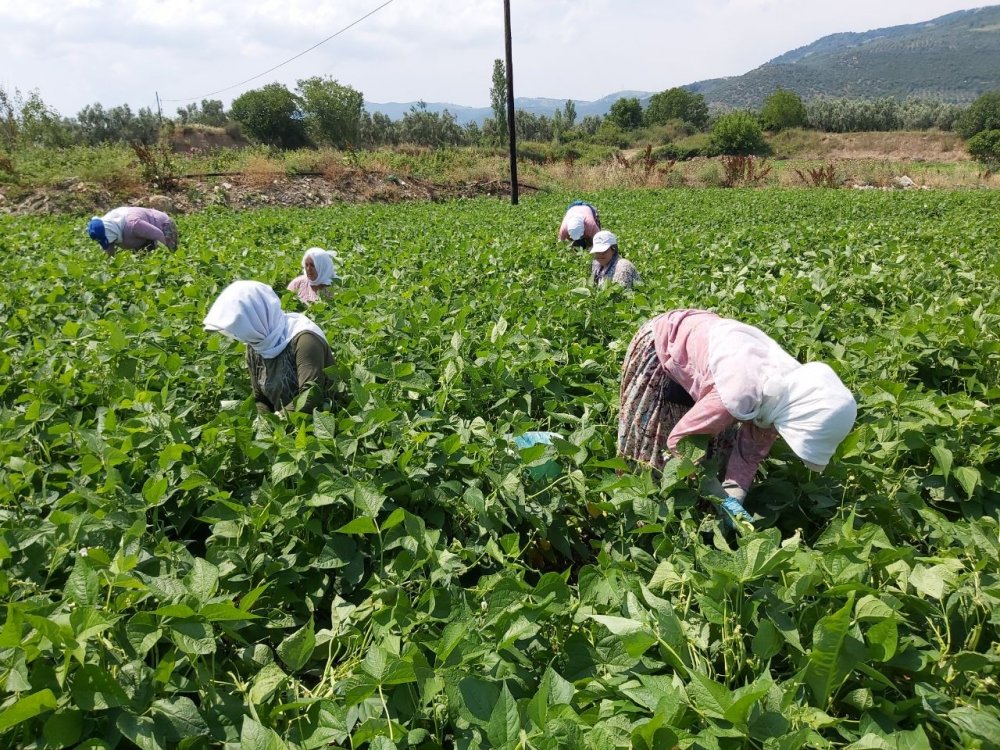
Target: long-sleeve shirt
(278,381)
(306,291)
(145,225)
(590,225)
(681,338)
(618,271)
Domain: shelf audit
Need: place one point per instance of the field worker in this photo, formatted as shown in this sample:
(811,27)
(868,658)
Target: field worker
(608,263)
(317,275)
(287,354)
(691,372)
(133,228)
(580,223)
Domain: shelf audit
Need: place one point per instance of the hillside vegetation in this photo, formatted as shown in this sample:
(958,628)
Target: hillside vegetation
(953,58)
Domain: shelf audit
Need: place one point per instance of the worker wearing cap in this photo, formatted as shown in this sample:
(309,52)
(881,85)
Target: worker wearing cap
(580,223)
(608,263)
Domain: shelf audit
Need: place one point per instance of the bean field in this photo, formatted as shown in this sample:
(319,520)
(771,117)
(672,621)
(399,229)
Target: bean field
(392,572)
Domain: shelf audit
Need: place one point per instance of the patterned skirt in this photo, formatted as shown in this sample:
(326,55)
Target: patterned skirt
(651,406)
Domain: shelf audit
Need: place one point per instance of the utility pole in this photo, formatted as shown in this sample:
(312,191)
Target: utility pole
(159,112)
(510,105)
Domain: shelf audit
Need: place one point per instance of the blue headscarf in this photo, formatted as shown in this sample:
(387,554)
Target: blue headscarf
(96,231)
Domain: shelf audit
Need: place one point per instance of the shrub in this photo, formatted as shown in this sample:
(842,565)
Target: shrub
(272,115)
(744,171)
(982,114)
(677,104)
(825,176)
(589,154)
(610,134)
(984,147)
(156,165)
(739,134)
(626,113)
(783,109)
(689,149)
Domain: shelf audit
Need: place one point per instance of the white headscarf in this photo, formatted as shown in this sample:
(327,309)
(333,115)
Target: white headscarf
(323,260)
(814,413)
(250,312)
(575,226)
(758,381)
(114,223)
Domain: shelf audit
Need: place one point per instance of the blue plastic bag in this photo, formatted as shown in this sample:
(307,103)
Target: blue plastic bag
(547,469)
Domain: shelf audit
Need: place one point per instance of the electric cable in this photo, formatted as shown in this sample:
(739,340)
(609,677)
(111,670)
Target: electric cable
(290,59)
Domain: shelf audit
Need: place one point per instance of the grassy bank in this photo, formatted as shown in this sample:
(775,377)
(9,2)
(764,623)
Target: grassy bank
(929,159)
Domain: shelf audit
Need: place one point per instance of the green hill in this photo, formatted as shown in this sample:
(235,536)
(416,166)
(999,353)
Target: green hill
(953,58)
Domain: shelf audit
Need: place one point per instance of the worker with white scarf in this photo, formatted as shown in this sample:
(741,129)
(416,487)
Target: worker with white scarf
(691,372)
(287,354)
(133,228)
(318,273)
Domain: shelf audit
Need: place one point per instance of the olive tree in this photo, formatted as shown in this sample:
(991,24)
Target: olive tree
(271,114)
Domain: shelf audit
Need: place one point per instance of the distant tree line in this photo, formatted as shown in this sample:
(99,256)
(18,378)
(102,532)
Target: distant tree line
(320,111)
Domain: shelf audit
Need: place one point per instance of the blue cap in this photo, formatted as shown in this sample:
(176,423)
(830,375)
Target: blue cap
(96,231)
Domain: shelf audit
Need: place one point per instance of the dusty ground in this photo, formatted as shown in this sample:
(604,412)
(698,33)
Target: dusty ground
(245,192)
(916,147)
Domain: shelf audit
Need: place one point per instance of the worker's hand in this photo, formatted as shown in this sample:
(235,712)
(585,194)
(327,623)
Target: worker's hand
(735,516)
(728,498)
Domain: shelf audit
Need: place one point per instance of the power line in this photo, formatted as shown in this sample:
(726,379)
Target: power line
(296,57)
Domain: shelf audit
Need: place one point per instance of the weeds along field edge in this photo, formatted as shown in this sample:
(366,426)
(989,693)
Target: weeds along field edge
(392,573)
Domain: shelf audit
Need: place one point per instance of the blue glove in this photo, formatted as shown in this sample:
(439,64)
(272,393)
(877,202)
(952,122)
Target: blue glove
(734,515)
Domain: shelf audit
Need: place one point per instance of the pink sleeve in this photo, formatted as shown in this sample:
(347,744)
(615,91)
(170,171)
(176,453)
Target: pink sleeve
(590,227)
(563,231)
(146,231)
(708,416)
(752,446)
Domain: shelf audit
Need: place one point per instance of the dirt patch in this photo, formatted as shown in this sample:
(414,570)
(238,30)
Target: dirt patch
(193,138)
(911,146)
(917,147)
(249,192)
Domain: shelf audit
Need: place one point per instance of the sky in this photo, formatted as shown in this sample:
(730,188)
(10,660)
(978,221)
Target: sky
(77,52)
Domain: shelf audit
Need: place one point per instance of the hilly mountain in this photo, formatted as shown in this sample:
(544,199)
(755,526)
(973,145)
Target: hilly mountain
(953,58)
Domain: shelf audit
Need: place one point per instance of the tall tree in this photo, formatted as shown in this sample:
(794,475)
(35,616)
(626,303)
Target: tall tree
(498,100)
(332,111)
(271,114)
(982,114)
(626,113)
(677,104)
(569,114)
(209,112)
(783,109)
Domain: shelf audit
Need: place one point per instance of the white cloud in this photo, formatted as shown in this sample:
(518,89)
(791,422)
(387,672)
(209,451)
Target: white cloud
(122,51)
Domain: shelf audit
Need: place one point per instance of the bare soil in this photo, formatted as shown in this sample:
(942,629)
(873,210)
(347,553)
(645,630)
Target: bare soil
(915,147)
(246,192)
